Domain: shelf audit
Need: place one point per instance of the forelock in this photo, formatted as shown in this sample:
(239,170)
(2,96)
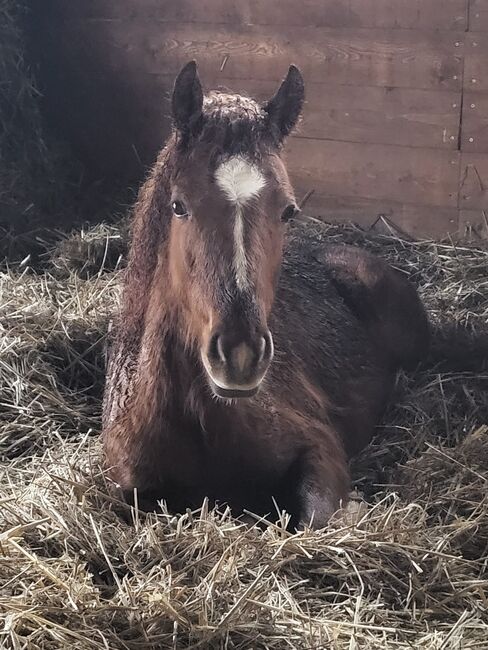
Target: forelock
(220,105)
(236,124)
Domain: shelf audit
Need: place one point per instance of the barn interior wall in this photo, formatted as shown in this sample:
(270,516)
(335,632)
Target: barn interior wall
(396,119)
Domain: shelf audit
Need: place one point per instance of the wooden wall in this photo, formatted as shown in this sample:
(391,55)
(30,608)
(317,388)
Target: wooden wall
(396,120)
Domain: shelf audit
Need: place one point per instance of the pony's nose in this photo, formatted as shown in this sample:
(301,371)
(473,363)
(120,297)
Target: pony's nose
(242,358)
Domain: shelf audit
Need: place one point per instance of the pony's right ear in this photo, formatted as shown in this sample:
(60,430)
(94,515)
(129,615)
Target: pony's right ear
(187,98)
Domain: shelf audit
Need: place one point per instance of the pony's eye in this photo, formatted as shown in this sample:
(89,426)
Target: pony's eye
(179,209)
(289,212)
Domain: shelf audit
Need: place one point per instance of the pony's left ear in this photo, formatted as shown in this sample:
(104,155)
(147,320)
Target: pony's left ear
(187,98)
(285,107)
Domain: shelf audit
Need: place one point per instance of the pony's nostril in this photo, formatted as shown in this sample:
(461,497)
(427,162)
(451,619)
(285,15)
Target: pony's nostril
(262,348)
(215,349)
(268,350)
(220,350)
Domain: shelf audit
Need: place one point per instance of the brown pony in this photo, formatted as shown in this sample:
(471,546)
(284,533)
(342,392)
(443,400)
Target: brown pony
(250,360)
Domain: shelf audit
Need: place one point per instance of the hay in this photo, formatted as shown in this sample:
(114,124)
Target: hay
(27,158)
(408,571)
(40,180)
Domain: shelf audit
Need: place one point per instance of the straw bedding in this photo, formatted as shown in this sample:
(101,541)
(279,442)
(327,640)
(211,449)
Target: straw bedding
(406,568)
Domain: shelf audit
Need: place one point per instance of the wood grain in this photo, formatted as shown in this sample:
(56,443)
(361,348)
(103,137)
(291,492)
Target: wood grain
(402,174)
(124,119)
(400,58)
(406,14)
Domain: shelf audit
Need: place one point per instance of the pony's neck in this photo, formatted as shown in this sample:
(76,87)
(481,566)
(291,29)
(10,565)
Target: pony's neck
(167,351)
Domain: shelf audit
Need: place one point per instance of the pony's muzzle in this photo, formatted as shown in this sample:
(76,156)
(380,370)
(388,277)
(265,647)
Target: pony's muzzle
(236,365)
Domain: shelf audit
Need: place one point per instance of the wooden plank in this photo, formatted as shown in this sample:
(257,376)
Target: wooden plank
(386,216)
(402,174)
(416,118)
(475,122)
(478,16)
(474,181)
(407,14)
(476,63)
(401,58)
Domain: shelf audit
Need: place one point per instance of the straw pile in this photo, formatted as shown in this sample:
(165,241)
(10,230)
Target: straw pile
(408,571)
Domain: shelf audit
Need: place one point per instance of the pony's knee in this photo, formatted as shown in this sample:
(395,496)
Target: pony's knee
(317,507)
(323,488)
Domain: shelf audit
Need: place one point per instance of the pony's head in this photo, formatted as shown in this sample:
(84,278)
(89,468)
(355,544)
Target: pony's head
(230,199)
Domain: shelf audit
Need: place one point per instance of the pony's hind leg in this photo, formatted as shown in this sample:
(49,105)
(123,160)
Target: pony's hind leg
(384,301)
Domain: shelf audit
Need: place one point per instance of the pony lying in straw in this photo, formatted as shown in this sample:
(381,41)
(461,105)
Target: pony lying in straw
(249,360)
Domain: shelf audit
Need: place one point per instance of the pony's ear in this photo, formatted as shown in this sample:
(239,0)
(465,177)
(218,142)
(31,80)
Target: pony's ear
(285,107)
(187,98)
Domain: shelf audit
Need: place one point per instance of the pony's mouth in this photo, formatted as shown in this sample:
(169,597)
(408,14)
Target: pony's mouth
(233,393)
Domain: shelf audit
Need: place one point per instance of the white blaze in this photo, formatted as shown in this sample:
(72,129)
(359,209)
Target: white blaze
(240,181)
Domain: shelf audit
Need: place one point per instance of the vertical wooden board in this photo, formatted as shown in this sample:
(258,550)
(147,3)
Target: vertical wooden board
(476,62)
(406,14)
(473,193)
(401,174)
(478,16)
(475,122)
(401,58)
(420,222)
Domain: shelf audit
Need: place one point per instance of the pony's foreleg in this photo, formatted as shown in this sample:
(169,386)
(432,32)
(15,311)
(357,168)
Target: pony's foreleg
(323,488)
